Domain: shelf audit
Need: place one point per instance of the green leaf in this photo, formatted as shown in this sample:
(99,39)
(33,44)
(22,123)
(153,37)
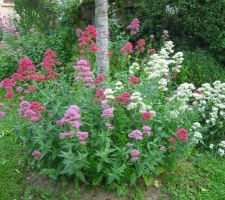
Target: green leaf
(133,179)
(80,175)
(148,180)
(159,170)
(99,167)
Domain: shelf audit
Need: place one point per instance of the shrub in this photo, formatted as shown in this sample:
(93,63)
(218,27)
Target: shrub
(86,129)
(200,67)
(194,22)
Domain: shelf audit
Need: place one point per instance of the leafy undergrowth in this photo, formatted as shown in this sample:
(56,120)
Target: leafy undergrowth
(201,178)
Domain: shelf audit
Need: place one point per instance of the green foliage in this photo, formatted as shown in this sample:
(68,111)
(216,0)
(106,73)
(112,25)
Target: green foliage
(196,22)
(200,67)
(39,14)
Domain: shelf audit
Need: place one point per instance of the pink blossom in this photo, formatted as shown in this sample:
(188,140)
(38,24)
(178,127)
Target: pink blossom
(134,26)
(107,113)
(136,134)
(82,136)
(147,130)
(36,154)
(128,48)
(182,134)
(66,134)
(2,114)
(134,154)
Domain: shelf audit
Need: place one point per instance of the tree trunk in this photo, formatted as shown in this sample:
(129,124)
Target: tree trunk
(102,41)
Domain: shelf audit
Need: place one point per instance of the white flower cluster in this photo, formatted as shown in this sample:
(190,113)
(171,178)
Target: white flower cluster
(136,102)
(211,102)
(172,10)
(221,150)
(134,68)
(119,86)
(162,64)
(221,147)
(195,129)
(183,95)
(109,94)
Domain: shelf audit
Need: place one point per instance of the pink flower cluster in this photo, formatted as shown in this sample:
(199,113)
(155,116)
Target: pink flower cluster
(36,154)
(87,38)
(66,134)
(71,117)
(107,111)
(99,96)
(182,135)
(146,116)
(82,136)
(6,26)
(133,80)
(147,130)
(31,110)
(134,154)
(128,48)
(2,114)
(134,26)
(124,98)
(84,73)
(136,134)
(141,45)
(27,71)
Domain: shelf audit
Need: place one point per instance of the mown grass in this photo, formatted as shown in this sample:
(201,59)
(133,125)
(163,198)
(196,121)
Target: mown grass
(202,178)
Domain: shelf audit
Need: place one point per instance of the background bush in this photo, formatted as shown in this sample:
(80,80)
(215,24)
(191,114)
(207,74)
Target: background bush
(197,23)
(200,67)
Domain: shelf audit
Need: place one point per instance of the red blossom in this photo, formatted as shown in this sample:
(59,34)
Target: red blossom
(146,116)
(99,79)
(172,139)
(134,80)
(124,98)
(152,51)
(182,134)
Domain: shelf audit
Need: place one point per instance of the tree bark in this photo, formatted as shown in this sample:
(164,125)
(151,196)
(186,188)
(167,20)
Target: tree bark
(102,41)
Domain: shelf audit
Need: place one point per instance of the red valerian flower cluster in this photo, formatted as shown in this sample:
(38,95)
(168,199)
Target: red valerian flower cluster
(146,116)
(27,71)
(31,110)
(134,26)
(124,98)
(128,48)
(99,96)
(182,135)
(87,38)
(141,45)
(134,80)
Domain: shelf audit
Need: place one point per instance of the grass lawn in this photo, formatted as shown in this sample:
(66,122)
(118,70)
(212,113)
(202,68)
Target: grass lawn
(201,178)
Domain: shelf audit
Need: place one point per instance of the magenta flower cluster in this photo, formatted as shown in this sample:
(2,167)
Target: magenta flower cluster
(147,130)
(2,114)
(107,111)
(136,134)
(82,136)
(71,117)
(66,134)
(134,154)
(31,110)
(84,73)
(36,154)
(134,26)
